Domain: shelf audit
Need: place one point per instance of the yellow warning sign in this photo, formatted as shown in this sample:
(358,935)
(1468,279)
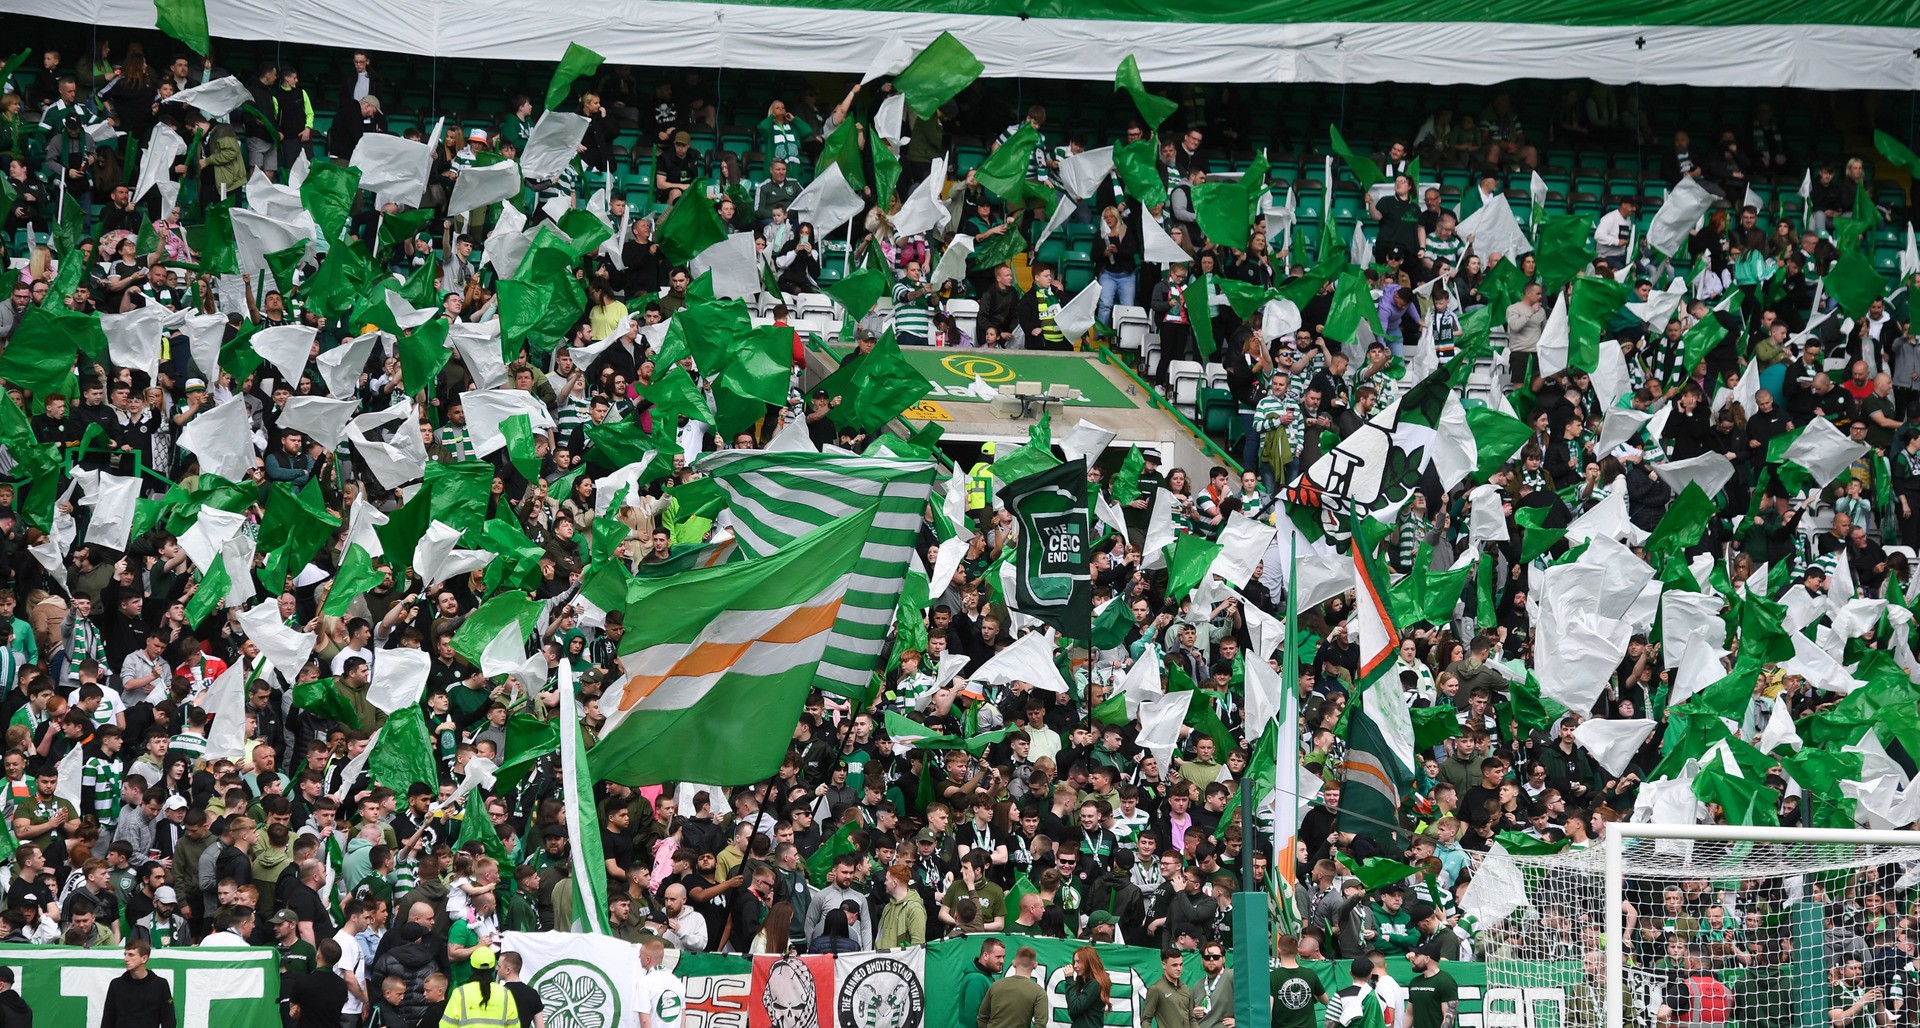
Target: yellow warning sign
(927,410)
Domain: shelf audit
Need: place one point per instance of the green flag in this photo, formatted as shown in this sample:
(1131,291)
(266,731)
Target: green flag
(1126,481)
(518,431)
(403,754)
(357,575)
(578,62)
(510,611)
(820,864)
(424,354)
(1053,556)
(528,739)
(322,698)
(1113,624)
(1375,872)
(858,292)
(1853,283)
(842,147)
(1365,173)
(400,226)
(41,355)
(1137,163)
(1007,165)
(295,526)
(477,826)
(328,194)
(1225,210)
(691,226)
(1187,564)
(1434,725)
(186,21)
(1352,303)
(937,74)
(1565,249)
(1153,108)
(541,300)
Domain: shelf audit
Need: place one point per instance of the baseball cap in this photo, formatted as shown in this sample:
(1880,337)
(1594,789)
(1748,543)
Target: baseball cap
(196,385)
(1430,950)
(481,958)
(1150,456)
(283,916)
(556,831)
(6,975)
(926,835)
(165,894)
(682,137)
(175,802)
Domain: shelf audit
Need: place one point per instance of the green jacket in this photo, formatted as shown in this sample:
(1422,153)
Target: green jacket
(1014,1002)
(973,990)
(903,922)
(1084,1005)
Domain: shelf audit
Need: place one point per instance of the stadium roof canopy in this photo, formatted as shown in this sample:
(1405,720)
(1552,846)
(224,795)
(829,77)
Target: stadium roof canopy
(1836,44)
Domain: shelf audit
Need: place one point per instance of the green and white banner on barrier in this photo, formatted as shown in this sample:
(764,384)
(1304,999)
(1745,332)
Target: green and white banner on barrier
(234,988)
(909,988)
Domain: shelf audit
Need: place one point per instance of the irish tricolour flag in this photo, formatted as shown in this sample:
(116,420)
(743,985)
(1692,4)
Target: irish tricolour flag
(719,660)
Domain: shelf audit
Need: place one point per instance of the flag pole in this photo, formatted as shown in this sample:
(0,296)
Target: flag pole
(1286,778)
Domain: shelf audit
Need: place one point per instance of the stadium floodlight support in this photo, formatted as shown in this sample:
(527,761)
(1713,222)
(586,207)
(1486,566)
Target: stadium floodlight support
(1613,845)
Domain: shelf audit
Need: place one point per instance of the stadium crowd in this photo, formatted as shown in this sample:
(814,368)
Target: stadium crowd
(1065,826)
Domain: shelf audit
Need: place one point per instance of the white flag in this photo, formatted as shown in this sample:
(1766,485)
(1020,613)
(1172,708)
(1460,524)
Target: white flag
(829,202)
(1030,660)
(217,98)
(1674,221)
(222,439)
(323,419)
(484,186)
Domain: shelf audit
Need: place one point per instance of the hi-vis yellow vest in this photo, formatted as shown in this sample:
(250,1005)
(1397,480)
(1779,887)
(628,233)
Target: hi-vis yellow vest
(465,1009)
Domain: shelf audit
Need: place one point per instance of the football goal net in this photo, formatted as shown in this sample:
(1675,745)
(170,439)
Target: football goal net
(1662,925)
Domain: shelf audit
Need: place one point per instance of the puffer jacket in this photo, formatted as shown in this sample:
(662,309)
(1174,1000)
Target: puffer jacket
(412,961)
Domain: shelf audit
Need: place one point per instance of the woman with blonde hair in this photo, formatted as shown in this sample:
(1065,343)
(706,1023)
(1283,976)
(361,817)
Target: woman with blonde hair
(1089,991)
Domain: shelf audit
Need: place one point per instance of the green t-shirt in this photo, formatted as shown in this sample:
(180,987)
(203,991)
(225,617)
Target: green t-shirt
(460,933)
(1427,995)
(297,959)
(1294,990)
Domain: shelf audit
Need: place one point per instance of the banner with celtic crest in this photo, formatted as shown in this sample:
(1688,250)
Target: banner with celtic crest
(585,981)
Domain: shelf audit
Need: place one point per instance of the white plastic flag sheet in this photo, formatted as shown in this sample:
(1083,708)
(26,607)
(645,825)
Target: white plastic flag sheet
(164,148)
(114,499)
(792,438)
(1243,542)
(1613,741)
(399,679)
(507,241)
(226,702)
(552,146)
(1061,212)
(1577,649)
(1700,664)
(1607,519)
(202,540)
(1141,683)
(952,266)
(257,235)
(1263,694)
(1682,612)
(1711,471)
(236,555)
(1747,391)
(399,459)
(891,58)
(1029,659)
(1160,531)
(1077,315)
(1823,451)
(829,202)
(1080,175)
(1820,668)
(1780,730)
(284,648)
(487,408)
(1494,229)
(735,264)
(1657,309)
(1555,338)
(393,169)
(270,199)
(1497,889)
(287,348)
(606,488)
(1488,520)
(479,346)
(1158,247)
(888,119)
(479,186)
(322,419)
(217,98)
(342,366)
(924,211)
(1160,721)
(435,558)
(1455,453)
(222,439)
(134,338)
(1619,426)
(1084,441)
(1674,221)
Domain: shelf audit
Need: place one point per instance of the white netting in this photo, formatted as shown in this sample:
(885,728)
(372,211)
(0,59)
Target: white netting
(1752,934)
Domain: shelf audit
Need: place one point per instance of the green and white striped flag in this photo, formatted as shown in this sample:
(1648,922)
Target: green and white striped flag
(776,498)
(1377,769)
(583,822)
(719,661)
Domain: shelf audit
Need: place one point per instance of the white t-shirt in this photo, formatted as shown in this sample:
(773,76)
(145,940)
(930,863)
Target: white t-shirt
(662,998)
(353,962)
(340,662)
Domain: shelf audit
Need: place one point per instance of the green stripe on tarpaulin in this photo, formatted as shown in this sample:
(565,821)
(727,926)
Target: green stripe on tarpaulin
(1301,12)
(952,369)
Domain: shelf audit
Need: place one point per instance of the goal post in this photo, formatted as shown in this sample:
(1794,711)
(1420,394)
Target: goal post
(1661,926)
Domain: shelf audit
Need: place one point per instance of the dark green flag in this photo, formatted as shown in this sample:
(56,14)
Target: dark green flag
(1053,559)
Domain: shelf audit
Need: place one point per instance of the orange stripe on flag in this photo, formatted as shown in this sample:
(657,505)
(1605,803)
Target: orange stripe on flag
(712,658)
(1379,605)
